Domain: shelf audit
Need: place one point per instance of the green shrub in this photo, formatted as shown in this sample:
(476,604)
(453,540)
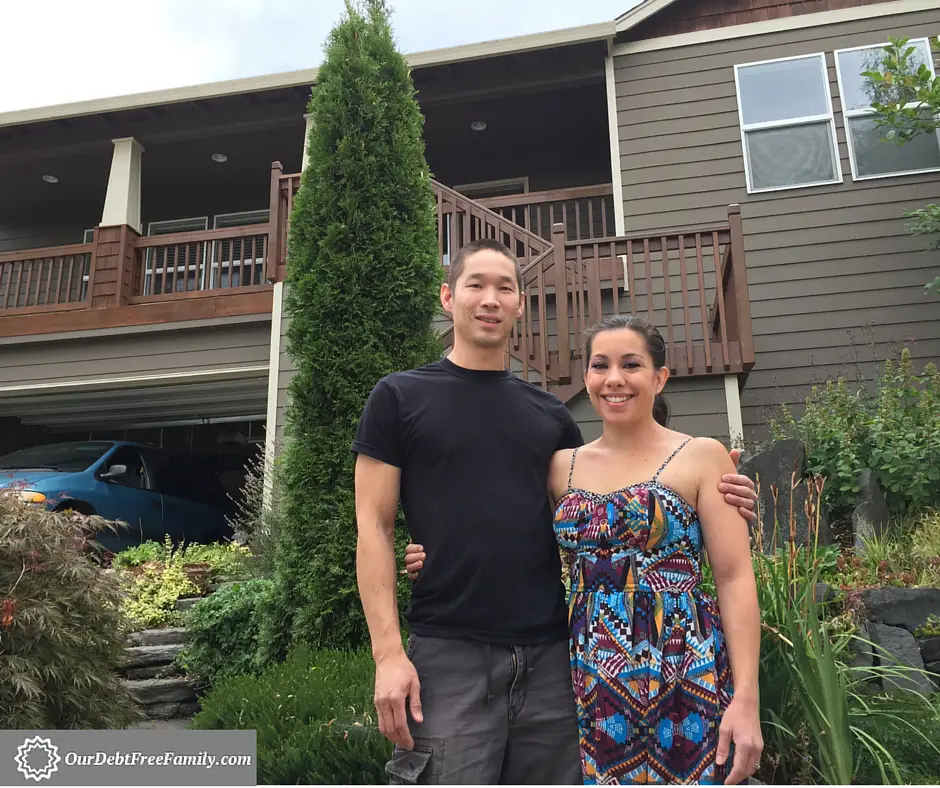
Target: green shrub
(152,596)
(917,764)
(896,433)
(61,628)
(225,559)
(312,714)
(363,290)
(223,632)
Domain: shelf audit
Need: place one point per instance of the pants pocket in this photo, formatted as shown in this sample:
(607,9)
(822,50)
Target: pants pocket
(421,766)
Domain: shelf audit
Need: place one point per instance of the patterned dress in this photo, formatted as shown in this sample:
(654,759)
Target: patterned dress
(648,657)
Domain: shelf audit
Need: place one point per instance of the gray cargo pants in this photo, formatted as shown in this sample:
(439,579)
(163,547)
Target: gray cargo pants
(492,715)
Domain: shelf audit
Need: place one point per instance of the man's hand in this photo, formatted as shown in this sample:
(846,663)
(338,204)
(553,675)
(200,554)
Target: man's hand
(739,491)
(395,681)
(414,561)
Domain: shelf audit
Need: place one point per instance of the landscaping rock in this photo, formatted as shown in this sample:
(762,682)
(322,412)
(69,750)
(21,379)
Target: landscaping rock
(862,652)
(930,648)
(151,691)
(157,637)
(902,607)
(934,668)
(776,466)
(870,517)
(824,594)
(147,656)
(901,645)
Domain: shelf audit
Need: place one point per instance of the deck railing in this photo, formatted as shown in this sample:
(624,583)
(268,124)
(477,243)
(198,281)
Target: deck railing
(55,276)
(585,212)
(202,260)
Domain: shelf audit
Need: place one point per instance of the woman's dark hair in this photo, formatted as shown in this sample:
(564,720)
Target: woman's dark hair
(655,346)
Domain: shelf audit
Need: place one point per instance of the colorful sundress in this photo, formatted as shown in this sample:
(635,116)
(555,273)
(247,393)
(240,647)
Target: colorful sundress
(648,657)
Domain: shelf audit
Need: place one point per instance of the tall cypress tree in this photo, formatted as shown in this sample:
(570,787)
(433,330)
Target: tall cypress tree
(363,288)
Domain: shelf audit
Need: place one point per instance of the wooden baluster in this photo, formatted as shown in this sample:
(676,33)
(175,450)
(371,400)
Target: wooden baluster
(68,282)
(543,327)
(561,301)
(742,304)
(706,334)
(685,305)
(649,281)
(667,291)
(603,217)
(615,277)
(631,283)
(596,301)
(720,296)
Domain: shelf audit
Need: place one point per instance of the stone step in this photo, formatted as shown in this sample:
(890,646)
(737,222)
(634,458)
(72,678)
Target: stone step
(186,603)
(157,637)
(171,710)
(148,656)
(152,672)
(155,691)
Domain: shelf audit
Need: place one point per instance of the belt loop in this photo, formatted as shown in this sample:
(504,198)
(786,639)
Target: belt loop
(487,663)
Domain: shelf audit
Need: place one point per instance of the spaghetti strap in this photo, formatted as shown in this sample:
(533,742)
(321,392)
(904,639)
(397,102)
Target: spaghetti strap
(571,469)
(668,460)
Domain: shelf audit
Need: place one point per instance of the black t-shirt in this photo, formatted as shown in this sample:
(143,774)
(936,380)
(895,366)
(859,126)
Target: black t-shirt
(474,448)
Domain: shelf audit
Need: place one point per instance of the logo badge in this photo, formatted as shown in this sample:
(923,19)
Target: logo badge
(38,747)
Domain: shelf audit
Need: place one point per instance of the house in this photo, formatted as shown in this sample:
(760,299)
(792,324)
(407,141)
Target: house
(707,164)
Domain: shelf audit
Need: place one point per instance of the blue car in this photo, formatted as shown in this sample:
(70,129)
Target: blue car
(155,492)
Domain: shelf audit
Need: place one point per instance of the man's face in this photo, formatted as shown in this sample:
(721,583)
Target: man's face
(485,301)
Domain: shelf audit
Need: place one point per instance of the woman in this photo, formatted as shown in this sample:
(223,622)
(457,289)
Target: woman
(651,660)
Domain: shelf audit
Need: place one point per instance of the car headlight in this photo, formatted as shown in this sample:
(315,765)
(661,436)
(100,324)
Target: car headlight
(28,496)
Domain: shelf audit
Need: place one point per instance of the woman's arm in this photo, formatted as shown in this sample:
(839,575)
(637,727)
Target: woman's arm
(727,543)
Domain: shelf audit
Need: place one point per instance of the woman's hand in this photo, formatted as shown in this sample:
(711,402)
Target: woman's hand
(414,561)
(740,726)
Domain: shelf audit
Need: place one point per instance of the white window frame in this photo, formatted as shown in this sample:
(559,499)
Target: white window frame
(848,114)
(788,123)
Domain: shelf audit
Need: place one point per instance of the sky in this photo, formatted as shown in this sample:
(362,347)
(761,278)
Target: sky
(63,51)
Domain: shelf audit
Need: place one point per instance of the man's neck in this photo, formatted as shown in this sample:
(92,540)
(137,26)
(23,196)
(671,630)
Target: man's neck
(470,357)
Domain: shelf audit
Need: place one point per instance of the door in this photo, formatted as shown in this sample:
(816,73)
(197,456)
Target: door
(129,497)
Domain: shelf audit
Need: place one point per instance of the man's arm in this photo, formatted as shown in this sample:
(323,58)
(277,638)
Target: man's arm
(739,490)
(377,493)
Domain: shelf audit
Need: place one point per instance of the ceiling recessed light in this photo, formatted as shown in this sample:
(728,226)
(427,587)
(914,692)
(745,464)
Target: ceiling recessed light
(219,157)
(478,125)
(50,179)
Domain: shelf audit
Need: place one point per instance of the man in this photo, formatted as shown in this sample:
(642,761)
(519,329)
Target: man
(482,694)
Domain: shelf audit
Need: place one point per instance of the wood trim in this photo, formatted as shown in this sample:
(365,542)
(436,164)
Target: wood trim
(192,295)
(42,309)
(552,195)
(819,19)
(224,234)
(45,252)
(173,311)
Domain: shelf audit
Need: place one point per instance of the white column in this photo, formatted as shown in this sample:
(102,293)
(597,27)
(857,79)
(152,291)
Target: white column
(274,373)
(735,418)
(122,202)
(308,126)
(613,130)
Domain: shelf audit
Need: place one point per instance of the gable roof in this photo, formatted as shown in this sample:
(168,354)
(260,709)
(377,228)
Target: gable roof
(640,13)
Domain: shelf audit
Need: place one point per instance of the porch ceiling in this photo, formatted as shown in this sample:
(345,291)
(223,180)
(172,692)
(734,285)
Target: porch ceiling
(151,404)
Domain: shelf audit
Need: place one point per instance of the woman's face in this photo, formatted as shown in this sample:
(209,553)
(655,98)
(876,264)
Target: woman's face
(621,379)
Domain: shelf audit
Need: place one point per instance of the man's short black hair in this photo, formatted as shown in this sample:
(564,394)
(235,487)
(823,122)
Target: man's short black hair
(480,244)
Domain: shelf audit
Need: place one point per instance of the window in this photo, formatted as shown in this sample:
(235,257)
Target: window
(870,154)
(787,127)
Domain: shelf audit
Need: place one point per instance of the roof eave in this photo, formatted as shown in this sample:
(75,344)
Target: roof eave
(305,77)
(640,13)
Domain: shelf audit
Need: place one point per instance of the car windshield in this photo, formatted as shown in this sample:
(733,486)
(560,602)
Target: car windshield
(71,457)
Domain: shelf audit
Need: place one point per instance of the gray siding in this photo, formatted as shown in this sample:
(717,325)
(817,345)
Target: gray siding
(835,280)
(117,355)
(697,407)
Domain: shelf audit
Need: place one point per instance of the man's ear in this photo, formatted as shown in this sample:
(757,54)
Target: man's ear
(521,310)
(447,299)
